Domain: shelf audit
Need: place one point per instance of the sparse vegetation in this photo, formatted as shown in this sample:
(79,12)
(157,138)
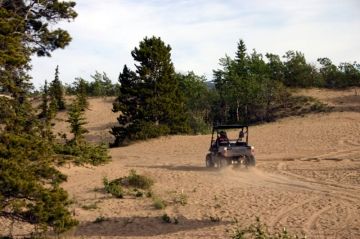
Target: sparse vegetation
(113,188)
(91,206)
(165,218)
(80,151)
(260,231)
(159,203)
(101,219)
(132,185)
(181,199)
(215,218)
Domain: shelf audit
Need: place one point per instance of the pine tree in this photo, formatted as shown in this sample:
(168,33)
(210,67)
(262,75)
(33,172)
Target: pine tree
(159,104)
(77,120)
(81,94)
(127,103)
(29,182)
(57,91)
(44,106)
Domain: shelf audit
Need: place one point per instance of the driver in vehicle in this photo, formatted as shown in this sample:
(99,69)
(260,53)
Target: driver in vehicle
(222,138)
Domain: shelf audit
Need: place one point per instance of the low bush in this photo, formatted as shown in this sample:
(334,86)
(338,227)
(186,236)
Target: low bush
(260,231)
(165,218)
(113,188)
(181,199)
(159,203)
(81,153)
(133,184)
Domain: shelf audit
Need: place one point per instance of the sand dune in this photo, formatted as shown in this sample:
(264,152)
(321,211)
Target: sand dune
(307,179)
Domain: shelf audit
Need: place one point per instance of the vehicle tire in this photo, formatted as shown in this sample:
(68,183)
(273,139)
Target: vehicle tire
(209,162)
(250,161)
(223,162)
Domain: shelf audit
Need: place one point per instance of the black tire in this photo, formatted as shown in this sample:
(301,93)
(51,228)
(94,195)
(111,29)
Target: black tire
(250,161)
(209,162)
(223,162)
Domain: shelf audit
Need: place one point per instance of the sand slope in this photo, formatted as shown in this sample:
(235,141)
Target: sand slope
(307,179)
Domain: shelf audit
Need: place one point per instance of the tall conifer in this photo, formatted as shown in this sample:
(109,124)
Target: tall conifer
(29,182)
(158,104)
(57,91)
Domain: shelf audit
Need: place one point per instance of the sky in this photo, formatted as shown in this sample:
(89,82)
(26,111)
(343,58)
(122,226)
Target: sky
(200,32)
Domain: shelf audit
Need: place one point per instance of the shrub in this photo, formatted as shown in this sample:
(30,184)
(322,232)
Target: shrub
(81,153)
(260,231)
(92,206)
(181,199)
(129,185)
(113,188)
(138,181)
(165,218)
(101,219)
(159,203)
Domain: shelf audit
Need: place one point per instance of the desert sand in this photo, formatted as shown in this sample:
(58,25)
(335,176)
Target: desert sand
(307,179)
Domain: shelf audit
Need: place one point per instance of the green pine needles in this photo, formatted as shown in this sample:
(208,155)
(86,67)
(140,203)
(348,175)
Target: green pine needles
(150,101)
(30,189)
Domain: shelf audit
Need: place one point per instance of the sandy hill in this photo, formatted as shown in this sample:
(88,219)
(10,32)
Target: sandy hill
(307,179)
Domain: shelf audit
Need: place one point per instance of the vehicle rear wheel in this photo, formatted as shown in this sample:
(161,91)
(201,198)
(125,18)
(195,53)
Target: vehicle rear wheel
(223,162)
(209,162)
(250,161)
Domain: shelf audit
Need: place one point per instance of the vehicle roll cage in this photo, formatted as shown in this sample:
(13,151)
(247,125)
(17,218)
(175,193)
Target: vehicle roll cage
(219,128)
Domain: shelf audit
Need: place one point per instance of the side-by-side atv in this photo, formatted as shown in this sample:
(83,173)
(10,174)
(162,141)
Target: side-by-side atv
(225,151)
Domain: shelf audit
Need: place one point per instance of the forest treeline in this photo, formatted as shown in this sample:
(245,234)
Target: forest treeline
(247,88)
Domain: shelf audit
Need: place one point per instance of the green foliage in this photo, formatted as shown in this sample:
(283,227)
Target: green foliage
(138,181)
(81,94)
(260,231)
(113,188)
(77,120)
(80,151)
(159,203)
(165,218)
(181,199)
(246,91)
(44,106)
(57,91)
(29,182)
(298,73)
(100,85)
(128,185)
(91,206)
(150,100)
(101,219)
(197,98)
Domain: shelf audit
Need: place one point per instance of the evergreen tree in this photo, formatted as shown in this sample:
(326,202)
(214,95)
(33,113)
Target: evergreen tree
(29,182)
(77,120)
(127,103)
(275,67)
(57,91)
(160,107)
(81,94)
(198,98)
(298,73)
(44,106)
(78,148)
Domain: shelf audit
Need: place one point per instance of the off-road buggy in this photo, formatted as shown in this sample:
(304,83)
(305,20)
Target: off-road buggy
(224,151)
